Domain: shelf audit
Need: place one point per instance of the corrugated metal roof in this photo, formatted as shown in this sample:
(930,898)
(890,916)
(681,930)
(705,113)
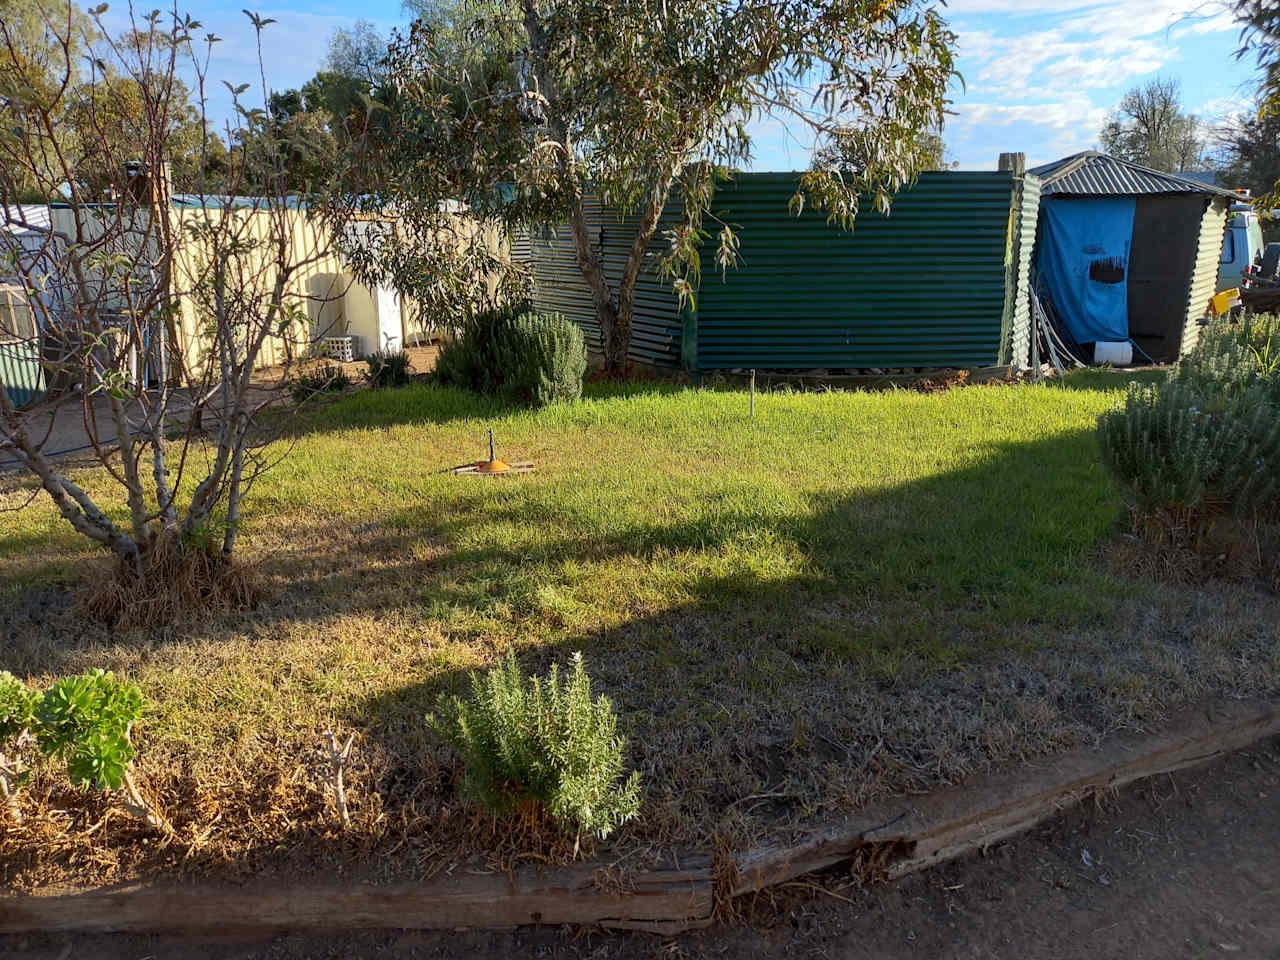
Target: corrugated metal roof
(1096,174)
(25,218)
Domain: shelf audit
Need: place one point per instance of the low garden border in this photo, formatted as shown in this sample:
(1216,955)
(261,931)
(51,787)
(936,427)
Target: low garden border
(910,834)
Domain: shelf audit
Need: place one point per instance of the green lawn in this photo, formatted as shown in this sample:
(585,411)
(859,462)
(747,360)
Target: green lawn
(847,595)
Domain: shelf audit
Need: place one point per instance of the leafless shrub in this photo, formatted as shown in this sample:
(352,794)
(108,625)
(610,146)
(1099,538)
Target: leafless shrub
(152,312)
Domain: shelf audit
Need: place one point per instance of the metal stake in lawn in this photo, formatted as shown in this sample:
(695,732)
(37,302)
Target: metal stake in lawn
(493,464)
(753,394)
(491,467)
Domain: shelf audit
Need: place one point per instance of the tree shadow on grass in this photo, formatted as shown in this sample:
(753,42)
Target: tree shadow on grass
(917,617)
(769,665)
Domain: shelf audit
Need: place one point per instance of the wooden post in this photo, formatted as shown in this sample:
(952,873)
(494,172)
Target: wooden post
(1015,163)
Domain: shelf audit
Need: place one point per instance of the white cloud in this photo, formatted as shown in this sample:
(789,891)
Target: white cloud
(1018,7)
(1222,109)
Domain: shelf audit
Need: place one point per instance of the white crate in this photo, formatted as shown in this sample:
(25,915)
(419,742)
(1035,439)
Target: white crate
(342,349)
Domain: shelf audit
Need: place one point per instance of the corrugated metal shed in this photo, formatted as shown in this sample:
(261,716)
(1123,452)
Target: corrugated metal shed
(922,287)
(1096,174)
(1191,246)
(1204,276)
(559,285)
(21,374)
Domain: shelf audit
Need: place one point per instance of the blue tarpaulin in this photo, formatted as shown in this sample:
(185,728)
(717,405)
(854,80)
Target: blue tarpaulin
(1082,260)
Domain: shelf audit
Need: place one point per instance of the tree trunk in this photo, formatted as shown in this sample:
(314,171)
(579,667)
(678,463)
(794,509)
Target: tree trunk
(615,330)
(656,201)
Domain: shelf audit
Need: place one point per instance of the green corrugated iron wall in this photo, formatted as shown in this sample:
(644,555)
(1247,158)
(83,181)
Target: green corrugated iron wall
(21,374)
(1204,275)
(940,282)
(922,287)
(1015,337)
(559,286)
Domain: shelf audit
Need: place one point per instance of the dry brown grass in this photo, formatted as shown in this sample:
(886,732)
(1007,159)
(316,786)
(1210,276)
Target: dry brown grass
(175,584)
(1179,546)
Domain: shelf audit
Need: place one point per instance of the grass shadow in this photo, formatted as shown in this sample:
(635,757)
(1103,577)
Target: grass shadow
(426,402)
(776,651)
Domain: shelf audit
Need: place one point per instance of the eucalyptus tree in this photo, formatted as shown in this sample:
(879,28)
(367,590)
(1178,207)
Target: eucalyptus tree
(1261,40)
(1149,127)
(520,109)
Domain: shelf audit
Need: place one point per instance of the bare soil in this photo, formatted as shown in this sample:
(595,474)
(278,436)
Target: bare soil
(68,421)
(1182,866)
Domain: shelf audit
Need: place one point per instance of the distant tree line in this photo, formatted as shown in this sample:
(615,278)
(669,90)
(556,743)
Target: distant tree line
(308,127)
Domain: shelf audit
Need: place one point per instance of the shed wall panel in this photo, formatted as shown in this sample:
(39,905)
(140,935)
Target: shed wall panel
(1024,212)
(1213,226)
(924,286)
(558,284)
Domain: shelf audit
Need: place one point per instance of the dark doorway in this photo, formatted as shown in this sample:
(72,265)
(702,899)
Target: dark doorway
(1162,257)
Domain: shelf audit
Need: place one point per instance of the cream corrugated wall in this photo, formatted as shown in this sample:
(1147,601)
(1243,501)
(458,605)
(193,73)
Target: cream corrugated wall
(318,289)
(1204,276)
(321,290)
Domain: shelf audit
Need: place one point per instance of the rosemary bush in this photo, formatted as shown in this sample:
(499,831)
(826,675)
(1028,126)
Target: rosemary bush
(1207,438)
(533,358)
(543,742)
(543,358)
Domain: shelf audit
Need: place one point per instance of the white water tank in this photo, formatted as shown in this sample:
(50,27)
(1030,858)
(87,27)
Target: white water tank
(373,315)
(1118,353)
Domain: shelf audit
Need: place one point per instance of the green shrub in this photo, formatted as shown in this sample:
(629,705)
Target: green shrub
(1208,437)
(17,708)
(471,360)
(388,368)
(543,742)
(328,378)
(85,720)
(515,353)
(1232,359)
(543,358)
(1172,448)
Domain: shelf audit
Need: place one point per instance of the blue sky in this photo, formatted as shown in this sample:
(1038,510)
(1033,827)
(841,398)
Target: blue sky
(1040,75)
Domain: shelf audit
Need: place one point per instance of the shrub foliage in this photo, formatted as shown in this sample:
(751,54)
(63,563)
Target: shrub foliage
(541,742)
(328,378)
(17,708)
(387,368)
(1206,441)
(535,358)
(83,720)
(86,720)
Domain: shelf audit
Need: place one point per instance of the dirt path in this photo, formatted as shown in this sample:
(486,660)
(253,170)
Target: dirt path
(67,422)
(1187,866)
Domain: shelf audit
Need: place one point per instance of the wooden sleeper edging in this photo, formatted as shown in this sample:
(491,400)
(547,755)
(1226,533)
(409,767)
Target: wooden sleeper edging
(941,826)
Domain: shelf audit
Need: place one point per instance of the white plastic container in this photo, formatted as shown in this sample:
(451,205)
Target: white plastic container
(373,315)
(1117,353)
